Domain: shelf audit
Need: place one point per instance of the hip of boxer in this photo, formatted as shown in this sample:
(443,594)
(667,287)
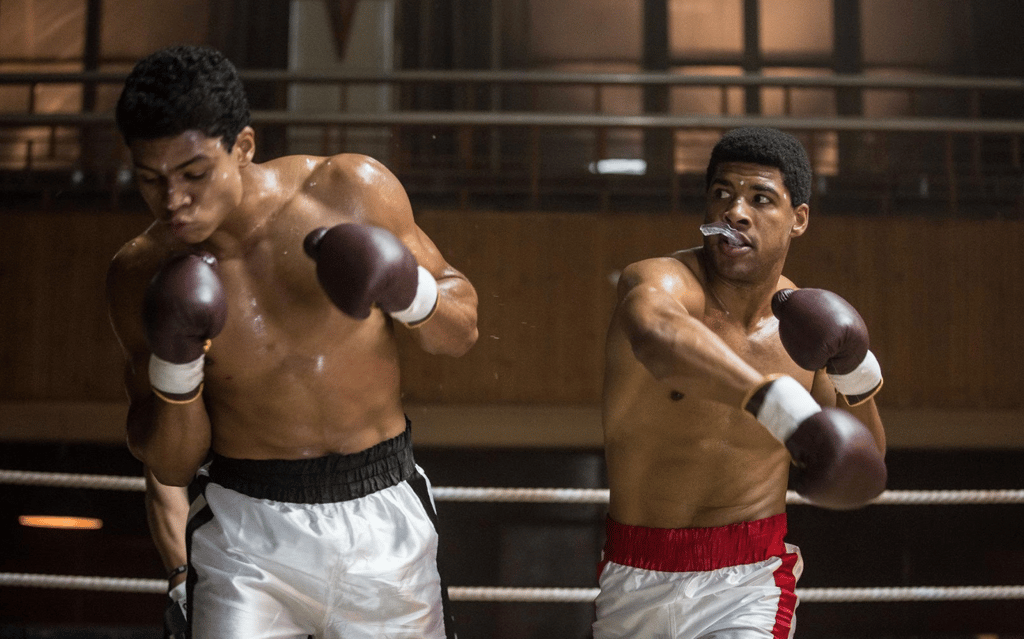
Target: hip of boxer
(695,582)
(334,546)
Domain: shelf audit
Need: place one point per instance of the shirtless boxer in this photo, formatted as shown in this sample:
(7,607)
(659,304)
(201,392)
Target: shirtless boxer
(257,315)
(710,398)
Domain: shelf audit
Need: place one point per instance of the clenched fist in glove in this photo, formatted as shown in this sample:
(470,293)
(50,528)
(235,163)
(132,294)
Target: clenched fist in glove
(184,307)
(819,330)
(837,463)
(360,266)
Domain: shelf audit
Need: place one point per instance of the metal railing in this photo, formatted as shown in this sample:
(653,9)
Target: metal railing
(467,134)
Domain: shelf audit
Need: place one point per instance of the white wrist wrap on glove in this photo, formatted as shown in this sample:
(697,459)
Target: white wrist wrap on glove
(176,379)
(424,302)
(178,596)
(785,405)
(863,379)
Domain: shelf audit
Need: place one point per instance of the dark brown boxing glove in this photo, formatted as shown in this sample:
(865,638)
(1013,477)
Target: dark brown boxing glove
(820,329)
(836,461)
(360,266)
(183,308)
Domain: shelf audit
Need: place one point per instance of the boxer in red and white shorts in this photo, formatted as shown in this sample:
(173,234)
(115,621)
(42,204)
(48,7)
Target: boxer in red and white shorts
(725,385)
(726,582)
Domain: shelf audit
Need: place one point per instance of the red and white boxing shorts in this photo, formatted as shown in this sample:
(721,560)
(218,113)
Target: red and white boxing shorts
(336,547)
(730,582)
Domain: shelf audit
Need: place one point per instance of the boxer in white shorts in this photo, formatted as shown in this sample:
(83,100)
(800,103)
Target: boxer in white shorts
(259,315)
(336,547)
(727,582)
(722,384)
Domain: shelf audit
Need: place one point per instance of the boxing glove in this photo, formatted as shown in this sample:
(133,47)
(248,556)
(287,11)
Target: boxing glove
(820,329)
(360,266)
(175,613)
(836,461)
(183,308)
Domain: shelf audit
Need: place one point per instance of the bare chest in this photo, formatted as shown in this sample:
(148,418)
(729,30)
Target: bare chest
(278,320)
(758,345)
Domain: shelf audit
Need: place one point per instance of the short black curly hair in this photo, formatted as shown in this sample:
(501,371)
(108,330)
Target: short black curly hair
(769,147)
(183,88)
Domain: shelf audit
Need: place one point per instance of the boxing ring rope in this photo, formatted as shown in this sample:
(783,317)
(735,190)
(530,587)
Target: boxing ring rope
(529,495)
(540,495)
(551,595)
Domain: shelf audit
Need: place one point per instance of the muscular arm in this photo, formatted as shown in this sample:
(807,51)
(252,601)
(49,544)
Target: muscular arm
(867,413)
(167,512)
(375,196)
(674,346)
(452,329)
(171,439)
(825,394)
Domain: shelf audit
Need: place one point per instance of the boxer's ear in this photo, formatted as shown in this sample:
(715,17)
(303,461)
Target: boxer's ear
(245,146)
(801,219)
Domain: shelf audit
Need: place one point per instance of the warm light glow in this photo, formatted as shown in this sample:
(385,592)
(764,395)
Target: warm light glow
(52,521)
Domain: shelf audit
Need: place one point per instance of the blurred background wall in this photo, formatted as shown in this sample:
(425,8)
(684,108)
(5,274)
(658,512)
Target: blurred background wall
(917,219)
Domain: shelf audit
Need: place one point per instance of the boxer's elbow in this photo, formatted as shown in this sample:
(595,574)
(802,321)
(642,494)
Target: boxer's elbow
(139,427)
(167,472)
(170,470)
(172,476)
(453,329)
(453,343)
(466,337)
(172,458)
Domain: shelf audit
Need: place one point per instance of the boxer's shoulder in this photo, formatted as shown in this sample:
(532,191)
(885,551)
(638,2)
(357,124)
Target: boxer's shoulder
(655,269)
(348,187)
(314,172)
(675,274)
(140,257)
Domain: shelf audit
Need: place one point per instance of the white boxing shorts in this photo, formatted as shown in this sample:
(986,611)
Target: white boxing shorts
(731,582)
(336,547)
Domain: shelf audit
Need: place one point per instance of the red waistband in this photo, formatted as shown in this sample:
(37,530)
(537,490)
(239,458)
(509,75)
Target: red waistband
(695,549)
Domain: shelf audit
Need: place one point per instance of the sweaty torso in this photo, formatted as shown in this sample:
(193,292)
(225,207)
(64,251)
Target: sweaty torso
(678,460)
(290,376)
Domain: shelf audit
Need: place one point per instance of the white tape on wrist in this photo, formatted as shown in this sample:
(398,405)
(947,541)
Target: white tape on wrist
(176,379)
(864,379)
(179,596)
(424,302)
(785,406)
(177,593)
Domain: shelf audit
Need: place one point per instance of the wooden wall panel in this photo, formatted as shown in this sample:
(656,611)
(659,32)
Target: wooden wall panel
(57,341)
(943,299)
(546,288)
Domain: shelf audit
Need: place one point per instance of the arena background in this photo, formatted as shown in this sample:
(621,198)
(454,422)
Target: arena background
(500,117)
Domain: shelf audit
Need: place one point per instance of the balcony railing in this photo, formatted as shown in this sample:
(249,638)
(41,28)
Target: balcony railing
(538,139)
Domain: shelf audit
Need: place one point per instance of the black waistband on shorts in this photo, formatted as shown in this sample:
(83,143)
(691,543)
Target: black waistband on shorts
(320,480)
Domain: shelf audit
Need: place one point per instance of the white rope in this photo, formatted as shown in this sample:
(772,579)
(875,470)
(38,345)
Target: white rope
(70,582)
(532,495)
(553,595)
(806,595)
(524,495)
(69,480)
(529,595)
(957,497)
(912,593)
